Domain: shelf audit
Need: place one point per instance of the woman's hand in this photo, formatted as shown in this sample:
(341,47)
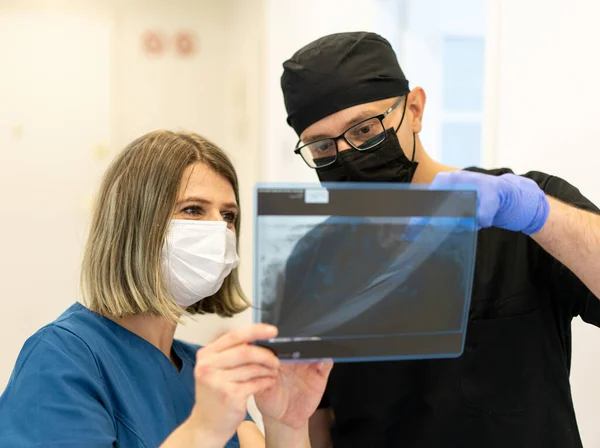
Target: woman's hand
(295,394)
(228,371)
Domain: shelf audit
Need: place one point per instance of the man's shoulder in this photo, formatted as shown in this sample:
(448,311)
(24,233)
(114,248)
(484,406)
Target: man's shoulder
(552,185)
(538,176)
(319,238)
(492,172)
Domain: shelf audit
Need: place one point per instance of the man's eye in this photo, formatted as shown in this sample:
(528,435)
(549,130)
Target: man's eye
(322,147)
(364,131)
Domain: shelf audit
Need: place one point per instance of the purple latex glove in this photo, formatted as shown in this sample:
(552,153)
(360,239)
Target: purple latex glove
(509,202)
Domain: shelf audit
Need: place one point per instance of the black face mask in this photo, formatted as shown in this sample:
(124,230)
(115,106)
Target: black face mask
(385,162)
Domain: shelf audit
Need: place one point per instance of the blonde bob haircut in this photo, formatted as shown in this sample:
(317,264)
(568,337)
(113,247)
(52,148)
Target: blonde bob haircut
(121,272)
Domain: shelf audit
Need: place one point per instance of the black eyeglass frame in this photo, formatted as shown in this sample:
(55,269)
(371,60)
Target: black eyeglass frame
(380,117)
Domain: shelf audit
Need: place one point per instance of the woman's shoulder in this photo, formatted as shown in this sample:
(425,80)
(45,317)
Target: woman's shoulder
(47,357)
(66,341)
(59,338)
(57,388)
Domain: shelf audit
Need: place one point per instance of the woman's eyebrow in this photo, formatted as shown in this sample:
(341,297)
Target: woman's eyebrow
(231,205)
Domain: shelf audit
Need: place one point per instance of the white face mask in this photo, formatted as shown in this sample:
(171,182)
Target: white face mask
(198,256)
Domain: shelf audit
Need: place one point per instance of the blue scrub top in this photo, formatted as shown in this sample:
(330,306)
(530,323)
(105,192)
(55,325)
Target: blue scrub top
(85,381)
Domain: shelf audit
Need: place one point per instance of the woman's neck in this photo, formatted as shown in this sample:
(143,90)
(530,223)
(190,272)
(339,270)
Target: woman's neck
(158,331)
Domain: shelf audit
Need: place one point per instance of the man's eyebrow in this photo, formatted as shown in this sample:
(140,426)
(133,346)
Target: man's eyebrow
(231,205)
(364,115)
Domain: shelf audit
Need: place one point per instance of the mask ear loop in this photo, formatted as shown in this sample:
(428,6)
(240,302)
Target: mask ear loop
(412,159)
(413,166)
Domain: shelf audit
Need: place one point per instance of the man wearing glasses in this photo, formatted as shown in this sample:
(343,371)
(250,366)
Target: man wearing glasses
(538,259)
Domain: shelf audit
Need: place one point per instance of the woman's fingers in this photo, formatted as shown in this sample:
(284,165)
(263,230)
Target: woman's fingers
(240,336)
(236,357)
(238,382)
(255,386)
(248,372)
(238,364)
(235,384)
(245,354)
(228,371)
(324,367)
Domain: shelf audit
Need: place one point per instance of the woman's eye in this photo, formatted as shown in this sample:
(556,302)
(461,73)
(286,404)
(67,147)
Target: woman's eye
(229,217)
(197,212)
(192,210)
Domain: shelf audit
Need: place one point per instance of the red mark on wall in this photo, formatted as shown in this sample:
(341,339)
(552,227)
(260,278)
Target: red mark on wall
(153,43)
(185,44)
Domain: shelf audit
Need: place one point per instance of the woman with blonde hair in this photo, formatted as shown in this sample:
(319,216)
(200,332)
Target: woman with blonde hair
(162,245)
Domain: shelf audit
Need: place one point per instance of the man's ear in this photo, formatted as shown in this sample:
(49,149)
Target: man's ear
(416,105)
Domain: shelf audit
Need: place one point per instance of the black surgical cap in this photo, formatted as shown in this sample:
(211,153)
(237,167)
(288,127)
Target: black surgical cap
(336,72)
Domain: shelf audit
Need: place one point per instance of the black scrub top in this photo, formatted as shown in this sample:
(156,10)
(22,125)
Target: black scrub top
(510,388)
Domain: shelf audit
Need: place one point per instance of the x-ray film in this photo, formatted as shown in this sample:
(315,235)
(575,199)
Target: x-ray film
(356,272)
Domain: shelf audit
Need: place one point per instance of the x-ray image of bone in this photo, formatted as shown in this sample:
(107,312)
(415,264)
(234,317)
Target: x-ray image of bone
(278,236)
(338,306)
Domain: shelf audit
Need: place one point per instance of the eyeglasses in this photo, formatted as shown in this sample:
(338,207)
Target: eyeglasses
(362,136)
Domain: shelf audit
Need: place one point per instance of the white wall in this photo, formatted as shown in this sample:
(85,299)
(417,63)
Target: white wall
(426,24)
(75,87)
(54,112)
(548,92)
